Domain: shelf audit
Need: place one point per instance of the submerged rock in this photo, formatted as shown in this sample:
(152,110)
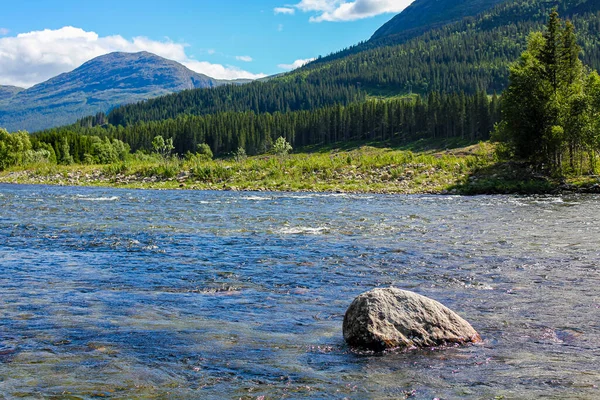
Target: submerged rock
(392,318)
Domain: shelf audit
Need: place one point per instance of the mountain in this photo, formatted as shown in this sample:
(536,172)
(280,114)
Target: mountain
(8,92)
(468,56)
(97,86)
(428,14)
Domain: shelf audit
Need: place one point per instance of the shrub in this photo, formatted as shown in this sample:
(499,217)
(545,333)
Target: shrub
(281,147)
(204,151)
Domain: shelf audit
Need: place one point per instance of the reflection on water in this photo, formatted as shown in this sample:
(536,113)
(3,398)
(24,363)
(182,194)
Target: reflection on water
(137,294)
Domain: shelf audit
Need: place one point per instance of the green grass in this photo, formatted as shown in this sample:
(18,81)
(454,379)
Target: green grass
(420,167)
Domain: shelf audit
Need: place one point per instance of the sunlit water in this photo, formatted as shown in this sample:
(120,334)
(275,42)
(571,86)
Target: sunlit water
(173,294)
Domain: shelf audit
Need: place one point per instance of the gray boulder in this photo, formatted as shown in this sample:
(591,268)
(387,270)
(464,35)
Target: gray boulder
(392,318)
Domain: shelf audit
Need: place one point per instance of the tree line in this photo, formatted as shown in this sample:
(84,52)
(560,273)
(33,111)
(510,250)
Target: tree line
(278,95)
(20,148)
(400,120)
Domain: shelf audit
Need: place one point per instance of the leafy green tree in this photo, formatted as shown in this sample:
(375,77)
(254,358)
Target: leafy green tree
(551,103)
(163,147)
(65,150)
(106,151)
(204,151)
(121,148)
(281,147)
(13,148)
(240,154)
(47,149)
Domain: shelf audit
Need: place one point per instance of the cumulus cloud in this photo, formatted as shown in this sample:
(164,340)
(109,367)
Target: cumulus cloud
(344,10)
(318,5)
(244,58)
(30,58)
(296,64)
(4,31)
(284,10)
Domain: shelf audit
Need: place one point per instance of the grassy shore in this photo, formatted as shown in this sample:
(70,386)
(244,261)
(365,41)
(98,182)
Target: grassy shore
(356,167)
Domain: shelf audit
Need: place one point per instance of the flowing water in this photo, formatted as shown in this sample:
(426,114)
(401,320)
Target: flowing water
(175,294)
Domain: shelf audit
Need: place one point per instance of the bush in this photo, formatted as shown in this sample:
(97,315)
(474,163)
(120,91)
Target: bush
(13,148)
(240,154)
(282,147)
(163,147)
(204,151)
(211,173)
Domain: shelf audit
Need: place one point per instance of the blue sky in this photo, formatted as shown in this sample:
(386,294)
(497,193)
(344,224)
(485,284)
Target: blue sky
(229,38)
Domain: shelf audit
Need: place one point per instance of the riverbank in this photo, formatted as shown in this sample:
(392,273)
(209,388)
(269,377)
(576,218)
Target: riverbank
(364,169)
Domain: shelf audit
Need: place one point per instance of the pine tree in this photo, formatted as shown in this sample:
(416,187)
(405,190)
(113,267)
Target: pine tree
(550,105)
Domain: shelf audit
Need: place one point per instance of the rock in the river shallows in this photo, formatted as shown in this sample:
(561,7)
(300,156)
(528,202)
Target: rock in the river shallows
(392,318)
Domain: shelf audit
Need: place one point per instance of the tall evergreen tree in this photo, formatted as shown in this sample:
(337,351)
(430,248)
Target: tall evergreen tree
(550,104)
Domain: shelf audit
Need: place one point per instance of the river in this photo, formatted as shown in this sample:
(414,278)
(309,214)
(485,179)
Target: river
(123,293)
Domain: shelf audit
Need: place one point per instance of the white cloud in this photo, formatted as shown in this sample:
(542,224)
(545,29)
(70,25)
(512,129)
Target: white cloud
(284,10)
(4,31)
(296,64)
(244,58)
(318,5)
(344,10)
(280,28)
(220,71)
(30,58)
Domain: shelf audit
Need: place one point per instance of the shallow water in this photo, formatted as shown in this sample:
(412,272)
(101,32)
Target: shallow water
(156,294)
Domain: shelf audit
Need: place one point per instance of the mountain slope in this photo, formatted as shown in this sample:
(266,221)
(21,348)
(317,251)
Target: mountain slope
(420,17)
(468,56)
(7,92)
(97,86)
(429,14)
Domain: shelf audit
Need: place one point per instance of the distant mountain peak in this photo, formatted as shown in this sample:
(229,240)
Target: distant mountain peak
(98,85)
(7,92)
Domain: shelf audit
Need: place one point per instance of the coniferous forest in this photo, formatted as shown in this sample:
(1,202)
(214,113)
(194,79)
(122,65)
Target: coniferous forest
(401,120)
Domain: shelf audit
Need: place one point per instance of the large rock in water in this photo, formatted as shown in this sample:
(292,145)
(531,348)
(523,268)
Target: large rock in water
(392,318)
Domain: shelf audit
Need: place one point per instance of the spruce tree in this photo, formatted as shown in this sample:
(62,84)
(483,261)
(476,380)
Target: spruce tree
(550,107)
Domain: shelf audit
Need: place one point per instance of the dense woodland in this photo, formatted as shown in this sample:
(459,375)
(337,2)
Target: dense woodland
(471,55)
(259,97)
(400,120)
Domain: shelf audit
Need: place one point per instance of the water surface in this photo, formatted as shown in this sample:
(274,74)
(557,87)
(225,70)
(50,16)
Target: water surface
(173,294)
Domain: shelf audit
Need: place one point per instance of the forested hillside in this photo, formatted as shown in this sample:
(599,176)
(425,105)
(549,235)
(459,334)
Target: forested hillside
(427,14)
(398,121)
(468,56)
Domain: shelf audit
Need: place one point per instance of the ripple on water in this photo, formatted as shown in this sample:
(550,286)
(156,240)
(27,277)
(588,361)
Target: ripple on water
(86,198)
(124,293)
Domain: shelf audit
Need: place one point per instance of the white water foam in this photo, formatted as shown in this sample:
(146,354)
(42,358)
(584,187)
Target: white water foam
(303,230)
(256,198)
(84,198)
